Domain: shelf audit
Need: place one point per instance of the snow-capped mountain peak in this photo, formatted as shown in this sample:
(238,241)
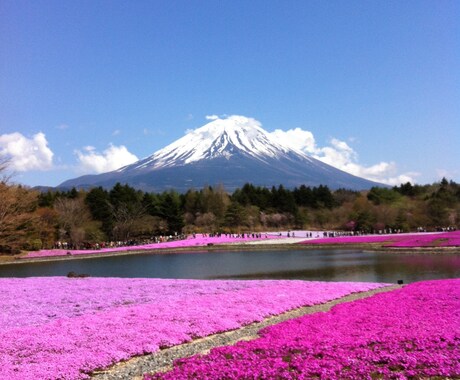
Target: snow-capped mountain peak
(227,151)
(219,138)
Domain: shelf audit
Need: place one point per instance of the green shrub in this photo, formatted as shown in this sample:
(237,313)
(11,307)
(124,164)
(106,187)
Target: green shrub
(34,245)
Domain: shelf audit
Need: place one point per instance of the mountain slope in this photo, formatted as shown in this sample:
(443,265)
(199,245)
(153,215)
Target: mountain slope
(222,138)
(230,152)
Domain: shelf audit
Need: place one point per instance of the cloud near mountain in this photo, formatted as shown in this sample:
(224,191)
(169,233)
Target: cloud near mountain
(112,158)
(26,153)
(340,155)
(34,154)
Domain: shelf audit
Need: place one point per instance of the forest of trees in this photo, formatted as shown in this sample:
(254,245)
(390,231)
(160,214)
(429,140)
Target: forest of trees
(33,220)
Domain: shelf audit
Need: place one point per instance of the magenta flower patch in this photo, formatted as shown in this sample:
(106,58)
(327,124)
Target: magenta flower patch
(411,240)
(64,328)
(198,241)
(444,239)
(409,333)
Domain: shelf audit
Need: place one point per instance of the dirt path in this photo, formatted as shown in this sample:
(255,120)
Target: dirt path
(162,360)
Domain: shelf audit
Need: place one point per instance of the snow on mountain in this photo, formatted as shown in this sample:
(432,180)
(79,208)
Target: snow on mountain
(219,138)
(229,152)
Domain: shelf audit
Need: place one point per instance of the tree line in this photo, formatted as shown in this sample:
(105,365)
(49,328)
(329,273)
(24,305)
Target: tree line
(33,220)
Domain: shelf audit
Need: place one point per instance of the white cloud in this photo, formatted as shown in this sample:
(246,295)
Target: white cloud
(62,127)
(296,138)
(337,153)
(112,158)
(342,156)
(448,174)
(26,153)
(401,178)
(116,132)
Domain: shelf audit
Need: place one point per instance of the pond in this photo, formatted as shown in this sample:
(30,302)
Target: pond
(304,264)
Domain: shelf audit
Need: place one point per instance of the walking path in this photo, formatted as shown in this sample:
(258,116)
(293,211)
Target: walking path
(162,361)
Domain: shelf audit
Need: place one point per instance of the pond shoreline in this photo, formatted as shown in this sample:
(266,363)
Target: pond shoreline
(274,244)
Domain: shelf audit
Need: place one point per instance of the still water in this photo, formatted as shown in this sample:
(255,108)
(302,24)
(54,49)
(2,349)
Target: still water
(324,265)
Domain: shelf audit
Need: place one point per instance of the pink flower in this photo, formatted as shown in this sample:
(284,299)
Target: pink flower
(413,332)
(64,328)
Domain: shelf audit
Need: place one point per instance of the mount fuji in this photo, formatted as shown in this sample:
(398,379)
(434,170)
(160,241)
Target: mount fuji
(230,152)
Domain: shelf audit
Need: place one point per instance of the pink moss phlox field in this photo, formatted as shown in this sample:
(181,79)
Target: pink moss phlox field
(444,239)
(198,241)
(64,328)
(434,239)
(409,333)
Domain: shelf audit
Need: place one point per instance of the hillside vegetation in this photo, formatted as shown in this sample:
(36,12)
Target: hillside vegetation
(31,220)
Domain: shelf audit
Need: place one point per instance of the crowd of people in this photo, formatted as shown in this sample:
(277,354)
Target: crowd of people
(116,244)
(244,235)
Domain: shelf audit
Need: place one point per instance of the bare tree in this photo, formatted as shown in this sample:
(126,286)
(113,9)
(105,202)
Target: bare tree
(126,219)
(73,215)
(207,220)
(5,163)
(18,220)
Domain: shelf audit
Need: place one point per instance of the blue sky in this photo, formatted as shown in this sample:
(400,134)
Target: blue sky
(373,87)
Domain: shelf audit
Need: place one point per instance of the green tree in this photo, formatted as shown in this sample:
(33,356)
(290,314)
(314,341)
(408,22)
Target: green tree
(192,202)
(381,195)
(235,216)
(46,199)
(407,189)
(98,202)
(323,197)
(304,196)
(151,204)
(401,222)
(284,200)
(124,194)
(171,211)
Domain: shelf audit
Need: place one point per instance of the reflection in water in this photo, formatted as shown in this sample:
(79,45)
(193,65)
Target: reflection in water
(325,265)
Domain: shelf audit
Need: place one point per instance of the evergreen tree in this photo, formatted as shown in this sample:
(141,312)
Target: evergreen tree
(235,216)
(124,194)
(304,196)
(381,195)
(46,199)
(98,202)
(151,204)
(323,197)
(170,210)
(284,200)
